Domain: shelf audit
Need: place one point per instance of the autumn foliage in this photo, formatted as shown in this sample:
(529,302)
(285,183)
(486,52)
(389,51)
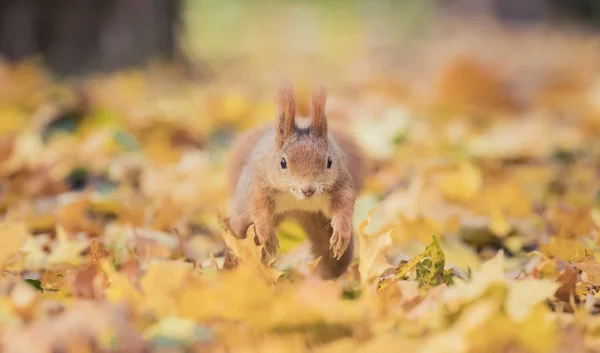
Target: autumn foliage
(477,230)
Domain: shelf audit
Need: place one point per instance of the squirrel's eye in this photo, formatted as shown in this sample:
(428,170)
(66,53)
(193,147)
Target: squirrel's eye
(329,162)
(283,163)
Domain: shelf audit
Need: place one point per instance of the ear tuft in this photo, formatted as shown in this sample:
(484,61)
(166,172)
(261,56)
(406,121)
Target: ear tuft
(286,111)
(318,119)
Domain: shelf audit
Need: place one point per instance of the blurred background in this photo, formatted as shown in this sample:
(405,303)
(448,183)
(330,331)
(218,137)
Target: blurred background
(76,37)
(80,37)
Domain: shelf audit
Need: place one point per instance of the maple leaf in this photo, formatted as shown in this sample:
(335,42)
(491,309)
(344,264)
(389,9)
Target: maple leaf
(371,252)
(35,256)
(429,267)
(68,250)
(591,268)
(248,252)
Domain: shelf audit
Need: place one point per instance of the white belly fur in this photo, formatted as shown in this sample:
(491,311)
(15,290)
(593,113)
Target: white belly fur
(285,202)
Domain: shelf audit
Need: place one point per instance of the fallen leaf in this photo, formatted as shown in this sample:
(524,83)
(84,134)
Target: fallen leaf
(524,294)
(371,255)
(429,267)
(463,183)
(68,249)
(567,279)
(13,236)
(248,253)
(160,284)
(591,269)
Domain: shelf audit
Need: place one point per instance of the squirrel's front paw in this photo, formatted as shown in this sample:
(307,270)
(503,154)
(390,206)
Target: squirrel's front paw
(340,239)
(267,239)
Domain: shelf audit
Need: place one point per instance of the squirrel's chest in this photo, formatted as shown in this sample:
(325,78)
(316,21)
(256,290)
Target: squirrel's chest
(285,202)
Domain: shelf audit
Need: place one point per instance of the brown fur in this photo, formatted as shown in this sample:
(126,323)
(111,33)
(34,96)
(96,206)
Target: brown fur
(286,111)
(317,112)
(356,163)
(241,149)
(265,192)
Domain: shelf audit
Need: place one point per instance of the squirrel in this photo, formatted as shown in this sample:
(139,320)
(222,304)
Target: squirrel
(300,169)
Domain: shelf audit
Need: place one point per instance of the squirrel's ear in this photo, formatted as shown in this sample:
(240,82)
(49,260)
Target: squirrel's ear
(317,112)
(286,112)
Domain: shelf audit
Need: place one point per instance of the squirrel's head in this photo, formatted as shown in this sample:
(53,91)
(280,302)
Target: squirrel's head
(306,164)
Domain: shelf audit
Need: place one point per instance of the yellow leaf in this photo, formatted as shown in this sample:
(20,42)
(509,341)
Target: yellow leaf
(120,289)
(172,327)
(538,332)
(237,295)
(385,342)
(67,251)
(372,252)
(12,237)
(12,120)
(463,183)
(499,224)
(249,253)
(429,267)
(27,150)
(524,294)
(591,269)
(566,249)
(35,256)
(491,271)
(458,254)
(456,338)
(161,283)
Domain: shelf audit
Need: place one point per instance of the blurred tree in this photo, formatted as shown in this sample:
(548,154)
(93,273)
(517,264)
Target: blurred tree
(80,36)
(586,12)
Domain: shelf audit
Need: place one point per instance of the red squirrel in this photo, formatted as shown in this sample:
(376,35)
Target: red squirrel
(299,168)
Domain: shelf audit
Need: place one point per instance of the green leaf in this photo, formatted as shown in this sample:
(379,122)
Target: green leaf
(429,267)
(35,284)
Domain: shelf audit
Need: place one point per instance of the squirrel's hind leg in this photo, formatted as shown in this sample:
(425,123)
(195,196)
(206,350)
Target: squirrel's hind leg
(318,230)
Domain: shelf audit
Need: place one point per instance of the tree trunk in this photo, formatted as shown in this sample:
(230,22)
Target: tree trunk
(82,36)
(585,12)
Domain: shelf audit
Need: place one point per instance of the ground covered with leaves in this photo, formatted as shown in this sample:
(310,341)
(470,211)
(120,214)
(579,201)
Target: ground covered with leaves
(477,230)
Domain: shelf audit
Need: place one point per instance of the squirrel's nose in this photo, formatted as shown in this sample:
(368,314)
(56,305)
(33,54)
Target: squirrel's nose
(309,190)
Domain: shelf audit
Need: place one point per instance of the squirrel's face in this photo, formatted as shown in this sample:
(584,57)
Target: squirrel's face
(306,166)
(304,161)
